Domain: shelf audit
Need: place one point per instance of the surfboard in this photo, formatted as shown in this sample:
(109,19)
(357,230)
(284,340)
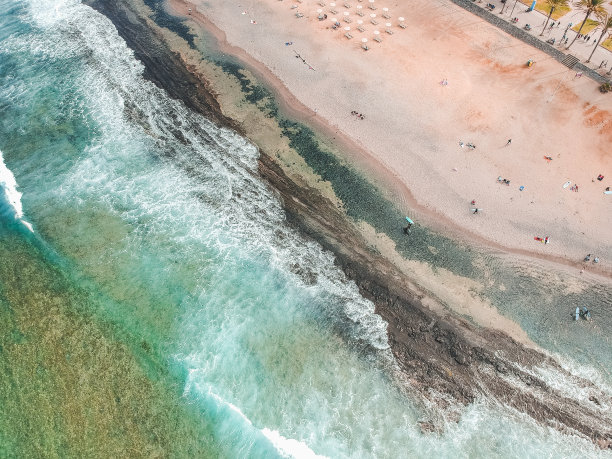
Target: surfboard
(566,184)
(608,192)
(409,221)
(577,314)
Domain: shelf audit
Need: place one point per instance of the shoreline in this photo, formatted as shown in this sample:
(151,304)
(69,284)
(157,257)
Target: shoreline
(577,223)
(437,350)
(366,162)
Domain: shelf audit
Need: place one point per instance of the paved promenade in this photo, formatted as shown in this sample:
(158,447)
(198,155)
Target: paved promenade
(581,49)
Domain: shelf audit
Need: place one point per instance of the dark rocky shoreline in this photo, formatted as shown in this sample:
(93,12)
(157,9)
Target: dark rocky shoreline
(439,353)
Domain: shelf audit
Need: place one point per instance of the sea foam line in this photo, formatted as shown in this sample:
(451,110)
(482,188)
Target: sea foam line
(9,186)
(286,447)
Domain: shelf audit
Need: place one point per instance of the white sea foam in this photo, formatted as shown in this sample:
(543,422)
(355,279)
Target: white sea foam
(13,197)
(226,166)
(572,385)
(286,447)
(289,447)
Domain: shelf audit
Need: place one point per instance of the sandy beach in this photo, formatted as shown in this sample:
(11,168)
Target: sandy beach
(425,91)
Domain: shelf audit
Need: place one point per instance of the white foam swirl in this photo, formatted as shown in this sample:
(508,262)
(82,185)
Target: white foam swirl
(8,184)
(286,447)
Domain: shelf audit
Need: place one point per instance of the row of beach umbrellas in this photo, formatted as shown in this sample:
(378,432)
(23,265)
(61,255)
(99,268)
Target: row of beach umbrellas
(360,22)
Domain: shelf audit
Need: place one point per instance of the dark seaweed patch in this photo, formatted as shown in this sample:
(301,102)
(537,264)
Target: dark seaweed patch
(173,23)
(254,93)
(363,201)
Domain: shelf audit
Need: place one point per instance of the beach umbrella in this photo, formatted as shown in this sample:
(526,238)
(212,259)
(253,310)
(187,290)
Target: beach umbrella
(364,40)
(400,19)
(334,20)
(319,10)
(332,4)
(376,32)
(346,13)
(359,7)
(372,1)
(359,22)
(388,24)
(373,15)
(385,9)
(347,28)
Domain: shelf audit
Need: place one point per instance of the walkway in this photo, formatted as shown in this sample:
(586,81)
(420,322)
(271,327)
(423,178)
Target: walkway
(581,49)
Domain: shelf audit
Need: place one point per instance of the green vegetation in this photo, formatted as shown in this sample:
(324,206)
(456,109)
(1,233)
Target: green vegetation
(594,7)
(554,6)
(589,26)
(543,7)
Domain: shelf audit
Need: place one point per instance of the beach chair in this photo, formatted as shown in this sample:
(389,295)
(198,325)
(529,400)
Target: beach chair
(299,15)
(360,13)
(373,21)
(389,31)
(361,29)
(346,5)
(378,39)
(321,3)
(386,16)
(365,47)
(372,7)
(348,20)
(402,25)
(348,35)
(334,11)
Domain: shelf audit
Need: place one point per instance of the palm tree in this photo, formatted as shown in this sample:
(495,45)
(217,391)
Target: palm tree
(588,6)
(554,4)
(606,24)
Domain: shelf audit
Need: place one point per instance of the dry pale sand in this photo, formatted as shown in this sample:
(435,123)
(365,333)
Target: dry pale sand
(413,124)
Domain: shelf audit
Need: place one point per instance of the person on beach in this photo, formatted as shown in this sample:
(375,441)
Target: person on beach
(475,211)
(509,142)
(407,228)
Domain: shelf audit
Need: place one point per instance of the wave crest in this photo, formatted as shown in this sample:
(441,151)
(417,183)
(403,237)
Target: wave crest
(12,206)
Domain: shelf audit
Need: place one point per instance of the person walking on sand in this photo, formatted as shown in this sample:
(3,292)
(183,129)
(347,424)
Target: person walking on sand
(509,142)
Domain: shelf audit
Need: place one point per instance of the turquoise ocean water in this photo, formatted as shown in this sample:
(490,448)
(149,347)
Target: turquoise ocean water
(153,299)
